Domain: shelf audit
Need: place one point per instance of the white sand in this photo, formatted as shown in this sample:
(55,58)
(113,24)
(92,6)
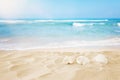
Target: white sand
(48,65)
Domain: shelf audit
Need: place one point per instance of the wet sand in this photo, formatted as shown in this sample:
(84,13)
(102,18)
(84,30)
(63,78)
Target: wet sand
(48,64)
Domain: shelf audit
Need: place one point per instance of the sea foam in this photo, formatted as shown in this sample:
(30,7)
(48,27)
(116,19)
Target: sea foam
(118,24)
(64,44)
(82,24)
(36,21)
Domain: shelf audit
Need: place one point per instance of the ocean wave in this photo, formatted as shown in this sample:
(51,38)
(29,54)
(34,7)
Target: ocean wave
(17,21)
(37,21)
(12,21)
(118,24)
(82,24)
(104,20)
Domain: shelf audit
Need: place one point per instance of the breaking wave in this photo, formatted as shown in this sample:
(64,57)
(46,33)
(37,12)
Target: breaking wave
(118,24)
(82,24)
(37,21)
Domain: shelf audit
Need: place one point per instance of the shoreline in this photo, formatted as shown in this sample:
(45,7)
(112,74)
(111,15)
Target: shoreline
(68,49)
(24,44)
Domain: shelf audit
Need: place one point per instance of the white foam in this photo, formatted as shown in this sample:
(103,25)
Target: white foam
(63,44)
(82,24)
(118,24)
(35,21)
(17,21)
(12,21)
(104,20)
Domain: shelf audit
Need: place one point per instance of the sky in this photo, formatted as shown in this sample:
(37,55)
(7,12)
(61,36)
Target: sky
(59,9)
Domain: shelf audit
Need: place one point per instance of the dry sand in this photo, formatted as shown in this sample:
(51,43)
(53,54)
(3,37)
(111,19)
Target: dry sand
(48,65)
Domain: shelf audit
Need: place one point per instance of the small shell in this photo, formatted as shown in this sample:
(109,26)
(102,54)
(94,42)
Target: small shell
(100,58)
(68,60)
(82,60)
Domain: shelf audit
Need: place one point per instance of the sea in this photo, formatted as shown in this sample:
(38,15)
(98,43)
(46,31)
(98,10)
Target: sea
(35,34)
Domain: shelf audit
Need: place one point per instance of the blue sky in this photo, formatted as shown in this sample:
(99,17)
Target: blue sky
(59,9)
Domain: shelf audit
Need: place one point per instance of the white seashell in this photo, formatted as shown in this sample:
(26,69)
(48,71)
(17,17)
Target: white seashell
(82,60)
(100,58)
(68,60)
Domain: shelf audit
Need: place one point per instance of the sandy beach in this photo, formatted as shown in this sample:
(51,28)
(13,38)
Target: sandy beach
(47,64)
(59,39)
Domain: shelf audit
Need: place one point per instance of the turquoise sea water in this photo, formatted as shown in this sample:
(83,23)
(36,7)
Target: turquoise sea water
(21,34)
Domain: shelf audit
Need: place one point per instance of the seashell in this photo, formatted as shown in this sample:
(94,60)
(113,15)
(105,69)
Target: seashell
(100,58)
(82,60)
(68,60)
